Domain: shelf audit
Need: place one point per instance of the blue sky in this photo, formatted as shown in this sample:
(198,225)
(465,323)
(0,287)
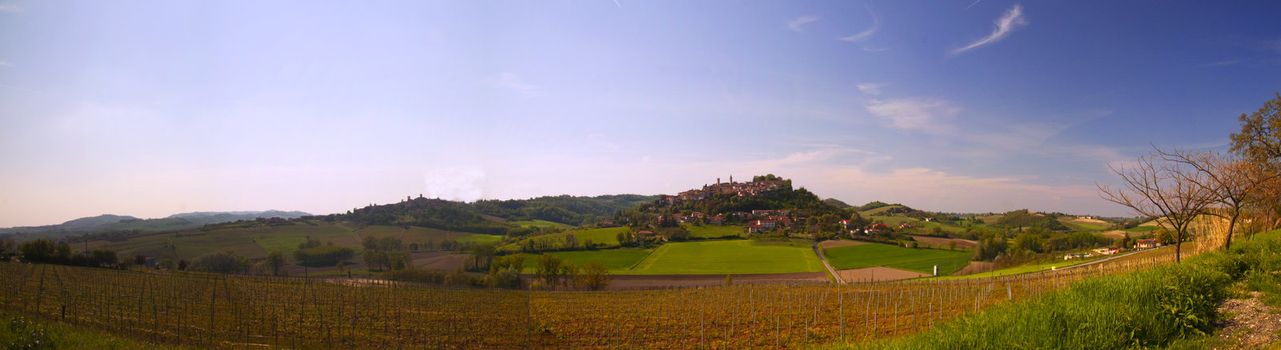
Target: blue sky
(155,107)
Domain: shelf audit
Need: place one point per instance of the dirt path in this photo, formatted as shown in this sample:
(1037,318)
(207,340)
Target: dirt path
(1249,323)
(823,258)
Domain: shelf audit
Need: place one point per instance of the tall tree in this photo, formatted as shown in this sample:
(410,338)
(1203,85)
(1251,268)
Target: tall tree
(1259,142)
(1260,136)
(1234,183)
(1166,190)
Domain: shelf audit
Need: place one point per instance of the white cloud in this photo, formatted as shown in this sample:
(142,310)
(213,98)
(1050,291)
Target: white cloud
(10,8)
(6,64)
(798,24)
(922,114)
(1011,20)
(870,89)
(866,33)
(511,81)
(455,183)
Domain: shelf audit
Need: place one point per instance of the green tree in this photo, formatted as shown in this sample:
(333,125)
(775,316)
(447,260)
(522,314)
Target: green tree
(223,262)
(275,262)
(550,269)
(594,276)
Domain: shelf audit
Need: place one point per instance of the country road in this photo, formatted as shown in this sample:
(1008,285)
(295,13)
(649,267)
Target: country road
(830,270)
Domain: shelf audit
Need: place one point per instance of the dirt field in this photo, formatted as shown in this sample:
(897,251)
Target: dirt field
(839,243)
(877,274)
(944,243)
(975,267)
(631,282)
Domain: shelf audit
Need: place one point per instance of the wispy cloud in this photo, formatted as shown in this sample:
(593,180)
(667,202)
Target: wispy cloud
(976,2)
(798,24)
(10,8)
(1006,24)
(5,64)
(866,33)
(513,82)
(870,89)
(920,114)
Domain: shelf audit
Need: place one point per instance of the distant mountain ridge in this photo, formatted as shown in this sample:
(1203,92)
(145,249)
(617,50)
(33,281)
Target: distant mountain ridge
(119,223)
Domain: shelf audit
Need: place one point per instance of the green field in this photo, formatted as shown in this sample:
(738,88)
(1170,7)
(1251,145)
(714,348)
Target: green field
(603,237)
(729,257)
(616,260)
(1141,229)
(543,224)
(255,241)
(714,231)
(1085,226)
(919,260)
(1033,267)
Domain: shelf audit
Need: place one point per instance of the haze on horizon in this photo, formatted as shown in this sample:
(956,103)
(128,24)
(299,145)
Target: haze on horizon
(150,108)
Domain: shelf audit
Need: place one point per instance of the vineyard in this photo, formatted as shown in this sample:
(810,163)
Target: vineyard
(247,311)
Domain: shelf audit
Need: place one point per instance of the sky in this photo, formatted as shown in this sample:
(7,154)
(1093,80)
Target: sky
(150,108)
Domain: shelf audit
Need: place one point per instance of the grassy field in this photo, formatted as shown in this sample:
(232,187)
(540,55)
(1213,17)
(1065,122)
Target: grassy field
(1141,229)
(616,260)
(715,231)
(255,241)
(23,332)
(729,257)
(1028,268)
(544,224)
(1082,225)
(919,260)
(603,237)
(1153,308)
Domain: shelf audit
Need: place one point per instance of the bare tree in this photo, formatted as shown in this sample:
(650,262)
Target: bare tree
(1166,190)
(1234,182)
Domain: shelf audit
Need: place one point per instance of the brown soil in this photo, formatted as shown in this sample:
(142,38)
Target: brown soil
(839,243)
(944,243)
(1249,323)
(975,267)
(877,274)
(627,282)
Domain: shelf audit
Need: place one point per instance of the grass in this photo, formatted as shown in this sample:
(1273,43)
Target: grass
(536,223)
(602,237)
(616,260)
(1085,226)
(920,260)
(22,332)
(1027,268)
(256,241)
(729,257)
(1170,305)
(1141,229)
(714,231)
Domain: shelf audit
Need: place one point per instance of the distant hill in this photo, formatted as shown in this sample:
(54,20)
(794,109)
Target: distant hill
(879,208)
(490,216)
(123,223)
(767,192)
(562,209)
(836,203)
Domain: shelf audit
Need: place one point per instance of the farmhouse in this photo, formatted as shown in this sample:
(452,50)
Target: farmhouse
(1106,251)
(759,226)
(1148,243)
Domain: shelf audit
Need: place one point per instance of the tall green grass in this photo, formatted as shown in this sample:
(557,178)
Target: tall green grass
(1142,309)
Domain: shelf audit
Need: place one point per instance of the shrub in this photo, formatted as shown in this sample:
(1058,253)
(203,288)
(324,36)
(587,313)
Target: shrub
(224,262)
(323,255)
